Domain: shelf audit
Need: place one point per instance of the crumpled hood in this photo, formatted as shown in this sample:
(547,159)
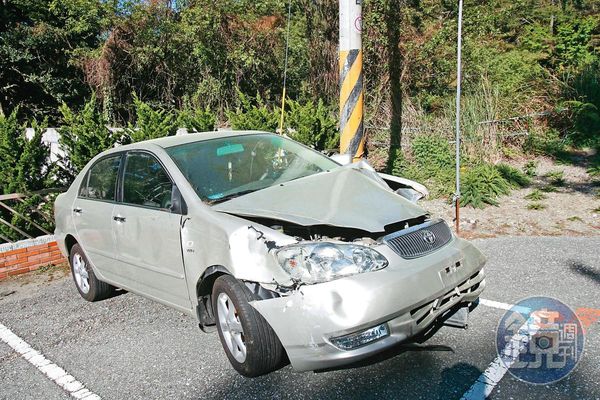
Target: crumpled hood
(352,196)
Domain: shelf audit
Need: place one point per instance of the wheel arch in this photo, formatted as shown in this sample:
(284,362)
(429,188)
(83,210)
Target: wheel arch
(204,288)
(70,241)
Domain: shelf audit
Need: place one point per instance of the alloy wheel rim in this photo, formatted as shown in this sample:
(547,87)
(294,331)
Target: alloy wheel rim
(82,277)
(231,327)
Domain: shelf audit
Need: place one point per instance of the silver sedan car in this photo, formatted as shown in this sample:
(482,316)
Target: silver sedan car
(288,254)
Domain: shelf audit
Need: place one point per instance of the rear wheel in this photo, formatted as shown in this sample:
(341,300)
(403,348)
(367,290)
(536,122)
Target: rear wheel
(250,343)
(88,286)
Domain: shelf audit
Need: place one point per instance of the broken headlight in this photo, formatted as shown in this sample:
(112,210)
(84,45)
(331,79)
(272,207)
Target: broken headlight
(322,262)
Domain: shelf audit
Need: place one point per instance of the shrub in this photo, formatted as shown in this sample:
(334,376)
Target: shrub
(481,185)
(253,114)
(536,195)
(432,154)
(25,167)
(12,143)
(309,123)
(24,164)
(151,123)
(546,143)
(196,120)
(513,176)
(536,206)
(83,134)
(556,178)
(530,168)
(312,124)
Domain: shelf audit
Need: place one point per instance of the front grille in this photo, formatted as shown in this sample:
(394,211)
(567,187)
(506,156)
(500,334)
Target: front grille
(419,240)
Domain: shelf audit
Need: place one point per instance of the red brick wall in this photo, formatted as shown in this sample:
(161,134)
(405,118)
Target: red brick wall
(30,258)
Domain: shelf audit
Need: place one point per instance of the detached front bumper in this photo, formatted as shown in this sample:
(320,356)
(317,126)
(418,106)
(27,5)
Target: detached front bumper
(408,295)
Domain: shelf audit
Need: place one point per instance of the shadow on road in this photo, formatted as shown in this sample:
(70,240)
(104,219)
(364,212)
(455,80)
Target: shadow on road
(587,271)
(404,371)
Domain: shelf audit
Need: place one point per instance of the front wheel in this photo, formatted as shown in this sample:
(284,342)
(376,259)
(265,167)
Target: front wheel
(250,343)
(88,286)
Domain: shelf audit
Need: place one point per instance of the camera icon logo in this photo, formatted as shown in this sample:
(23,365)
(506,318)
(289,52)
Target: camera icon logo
(540,340)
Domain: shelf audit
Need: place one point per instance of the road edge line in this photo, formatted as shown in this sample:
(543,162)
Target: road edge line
(56,374)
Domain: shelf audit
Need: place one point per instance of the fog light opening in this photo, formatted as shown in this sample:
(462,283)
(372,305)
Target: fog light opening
(361,338)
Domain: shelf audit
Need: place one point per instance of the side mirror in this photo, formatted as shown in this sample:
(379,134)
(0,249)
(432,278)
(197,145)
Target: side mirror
(178,205)
(343,159)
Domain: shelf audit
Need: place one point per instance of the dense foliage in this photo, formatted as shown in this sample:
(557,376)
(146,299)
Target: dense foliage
(531,80)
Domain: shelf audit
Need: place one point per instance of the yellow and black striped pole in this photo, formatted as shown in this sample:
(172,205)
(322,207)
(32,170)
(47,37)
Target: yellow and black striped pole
(351,79)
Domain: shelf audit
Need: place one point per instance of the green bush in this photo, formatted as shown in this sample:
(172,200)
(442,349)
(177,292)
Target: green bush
(197,120)
(481,185)
(312,124)
(24,164)
(536,195)
(432,154)
(309,123)
(12,142)
(25,167)
(530,168)
(586,125)
(253,114)
(536,206)
(83,134)
(513,176)
(547,143)
(151,123)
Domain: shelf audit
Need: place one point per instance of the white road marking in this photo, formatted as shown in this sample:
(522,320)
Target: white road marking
(503,306)
(487,381)
(55,373)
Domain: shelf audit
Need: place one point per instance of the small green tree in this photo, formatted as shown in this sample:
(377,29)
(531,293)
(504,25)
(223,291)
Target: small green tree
(34,170)
(83,135)
(253,114)
(25,167)
(312,124)
(151,123)
(196,120)
(12,142)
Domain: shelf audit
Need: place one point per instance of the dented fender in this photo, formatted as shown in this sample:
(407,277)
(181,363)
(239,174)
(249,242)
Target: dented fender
(243,248)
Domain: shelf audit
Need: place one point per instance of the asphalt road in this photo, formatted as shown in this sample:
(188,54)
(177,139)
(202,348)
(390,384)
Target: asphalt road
(131,348)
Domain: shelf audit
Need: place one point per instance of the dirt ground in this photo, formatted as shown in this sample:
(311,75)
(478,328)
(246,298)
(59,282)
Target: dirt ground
(569,206)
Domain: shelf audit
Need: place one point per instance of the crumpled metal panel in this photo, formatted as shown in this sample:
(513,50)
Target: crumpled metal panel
(305,319)
(352,196)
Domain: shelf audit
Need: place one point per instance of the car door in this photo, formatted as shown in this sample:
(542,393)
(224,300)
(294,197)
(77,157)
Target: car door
(93,211)
(147,231)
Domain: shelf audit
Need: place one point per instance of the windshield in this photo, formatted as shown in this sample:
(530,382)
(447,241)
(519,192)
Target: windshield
(220,169)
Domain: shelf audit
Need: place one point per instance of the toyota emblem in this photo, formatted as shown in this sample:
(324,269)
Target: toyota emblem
(428,237)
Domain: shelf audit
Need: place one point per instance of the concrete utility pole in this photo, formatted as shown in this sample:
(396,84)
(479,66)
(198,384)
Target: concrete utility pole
(351,79)
(458,89)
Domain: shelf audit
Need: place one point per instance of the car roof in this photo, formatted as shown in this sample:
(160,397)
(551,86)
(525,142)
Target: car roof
(170,141)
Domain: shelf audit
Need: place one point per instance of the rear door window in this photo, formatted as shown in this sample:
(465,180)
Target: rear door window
(102,181)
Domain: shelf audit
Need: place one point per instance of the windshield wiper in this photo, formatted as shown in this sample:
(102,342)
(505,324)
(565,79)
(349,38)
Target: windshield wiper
(231,196)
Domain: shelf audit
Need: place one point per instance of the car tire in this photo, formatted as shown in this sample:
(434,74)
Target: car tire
(263,350)
(88,286)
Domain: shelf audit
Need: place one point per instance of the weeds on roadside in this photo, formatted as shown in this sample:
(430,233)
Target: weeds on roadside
(513,176)
(536,206)
(575,218)
(548,189)
(530,168)
(556,178)
(536,195)
(482,185)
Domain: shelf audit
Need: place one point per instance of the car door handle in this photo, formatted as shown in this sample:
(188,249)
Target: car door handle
(77,210)
(118,218)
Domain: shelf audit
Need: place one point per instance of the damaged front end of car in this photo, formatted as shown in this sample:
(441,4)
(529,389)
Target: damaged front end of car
(343,267)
